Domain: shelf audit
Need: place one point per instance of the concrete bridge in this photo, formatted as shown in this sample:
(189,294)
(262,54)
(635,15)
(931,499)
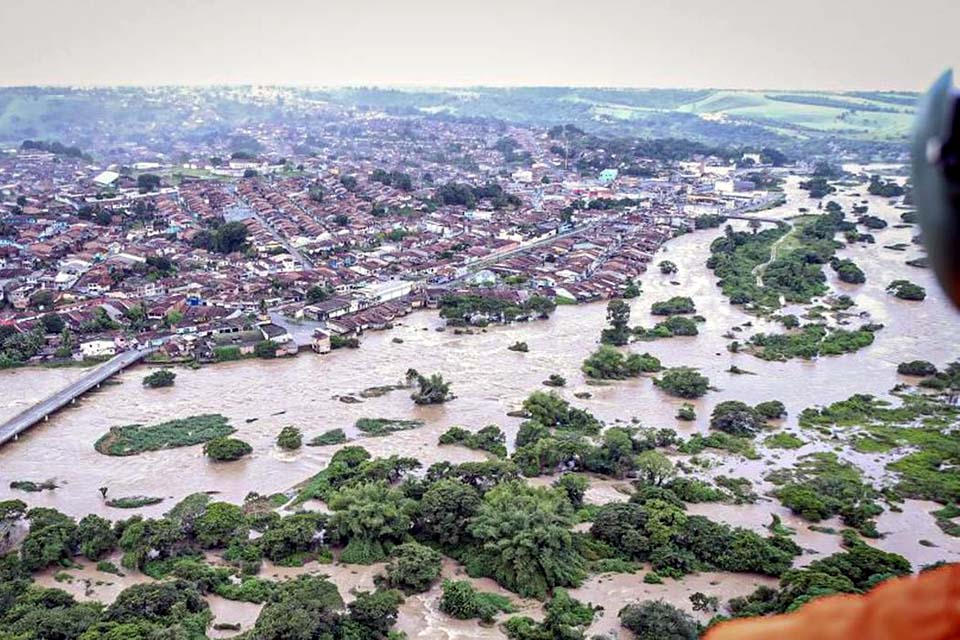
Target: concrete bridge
(16,425)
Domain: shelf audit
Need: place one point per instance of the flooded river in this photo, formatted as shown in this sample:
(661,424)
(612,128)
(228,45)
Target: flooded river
(261,397)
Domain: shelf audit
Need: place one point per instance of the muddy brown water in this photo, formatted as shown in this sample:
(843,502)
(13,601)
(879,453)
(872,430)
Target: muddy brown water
(261,397)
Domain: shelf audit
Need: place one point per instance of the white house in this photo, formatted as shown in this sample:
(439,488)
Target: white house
(98,348)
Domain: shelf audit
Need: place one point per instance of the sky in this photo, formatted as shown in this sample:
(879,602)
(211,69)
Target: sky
(736,44)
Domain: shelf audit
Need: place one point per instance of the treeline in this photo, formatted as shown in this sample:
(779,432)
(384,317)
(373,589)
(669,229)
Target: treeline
(480,310)
(466,195)
(395,179)
(55,147)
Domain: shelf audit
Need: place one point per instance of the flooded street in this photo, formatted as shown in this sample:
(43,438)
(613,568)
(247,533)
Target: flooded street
(261,397)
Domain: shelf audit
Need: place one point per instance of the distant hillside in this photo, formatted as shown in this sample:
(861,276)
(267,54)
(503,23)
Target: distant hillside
(718,116)
(91,118)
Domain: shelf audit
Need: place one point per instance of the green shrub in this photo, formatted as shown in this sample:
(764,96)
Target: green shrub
(413,567)
(290,438)
(683,382)
(160,378)
(385,426)
(226,449)
(333,436)
(461,600)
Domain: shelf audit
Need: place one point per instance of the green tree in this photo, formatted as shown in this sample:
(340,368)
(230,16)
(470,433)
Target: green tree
(147,182)
(265,349)
(667,267)
(95,536)
(618,317)
(304,608)
(220,523)
(683,382)
(736,418)
(52,323)
(160,378)
(290,438)
(525,537)
(445,510)
(373,612)
(317,293)
(432,390)
(654,467)
(226,449)
(371,517)
(574,486)
(413,567)
(658,620)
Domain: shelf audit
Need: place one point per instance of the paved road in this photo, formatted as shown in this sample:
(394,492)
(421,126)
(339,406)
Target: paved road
(492,260)
(305,262)
(23,421)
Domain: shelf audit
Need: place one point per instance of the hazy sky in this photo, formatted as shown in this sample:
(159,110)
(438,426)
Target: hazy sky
(810,44)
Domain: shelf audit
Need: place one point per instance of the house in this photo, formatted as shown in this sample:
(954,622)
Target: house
(327,309)
(321,341)
(98,348)
(274,333)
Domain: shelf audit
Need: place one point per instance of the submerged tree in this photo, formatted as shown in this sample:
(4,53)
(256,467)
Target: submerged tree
(432,390)
(618,315)
(526,540)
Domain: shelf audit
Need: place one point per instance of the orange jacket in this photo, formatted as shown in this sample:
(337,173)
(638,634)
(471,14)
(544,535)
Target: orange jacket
(924,607)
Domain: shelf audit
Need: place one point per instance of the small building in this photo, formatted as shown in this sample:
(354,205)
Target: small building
(320,342)
(608,175)
(106,178)
(98,348)
(275,333)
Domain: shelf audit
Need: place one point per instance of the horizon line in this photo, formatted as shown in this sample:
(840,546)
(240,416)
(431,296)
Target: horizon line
(441,87)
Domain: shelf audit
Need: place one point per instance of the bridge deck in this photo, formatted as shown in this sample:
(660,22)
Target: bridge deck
(26,419)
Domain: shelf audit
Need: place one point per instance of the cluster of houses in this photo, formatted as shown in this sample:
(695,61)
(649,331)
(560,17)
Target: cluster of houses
(351,235)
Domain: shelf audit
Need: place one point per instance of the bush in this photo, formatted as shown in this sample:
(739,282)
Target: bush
(848,271)
(608,363)
(489,438)
(658,620)
(673,306)
(385,426)
(555,380)
(736,418)
(333,436)
(917,368)
(160,378)
(413,567)
(771,409)
(683,382)
(906,290)
(290,438)
(461,600)
(686,412)
(133,502)
(226,449)
(574,486)
(266,349)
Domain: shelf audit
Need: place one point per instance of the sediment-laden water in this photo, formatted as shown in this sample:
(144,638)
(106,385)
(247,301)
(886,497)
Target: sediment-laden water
(261,397)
